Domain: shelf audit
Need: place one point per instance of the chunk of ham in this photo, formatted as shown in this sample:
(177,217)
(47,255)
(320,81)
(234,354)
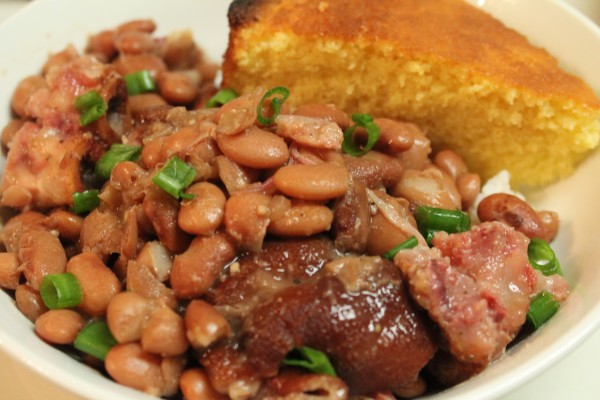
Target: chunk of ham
(53,106)
(42,168)
(357,312)
(475,285)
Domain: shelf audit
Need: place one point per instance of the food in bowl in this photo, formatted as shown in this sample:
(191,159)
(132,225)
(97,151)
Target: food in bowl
(221,274)
(475,85)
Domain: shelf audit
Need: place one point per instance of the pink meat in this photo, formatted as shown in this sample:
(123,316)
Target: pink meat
(476,285)
(42,168)
(53,106)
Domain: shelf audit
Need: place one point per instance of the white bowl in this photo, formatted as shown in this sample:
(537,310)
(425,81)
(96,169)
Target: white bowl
(46,26)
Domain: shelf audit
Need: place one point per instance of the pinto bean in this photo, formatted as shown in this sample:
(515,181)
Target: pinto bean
(430,187)
(312,182)
(395,136)
(292,385)
(410,390)
(9,272)
(204,324)
(374,169)
(195,385)
(512,211)
(204,213)
(125,174)
(98,283)
(59,326)
(239,114)
(468,186)
(103,44)
(164,333)
(17,196)
(134,42)
(18,225)
(29,302)
(254,148)
(138,25)
(418,155)
(234,176)
(10,130)
(130,365)
(130,63)
(24,90)
(194,271)
(66,223)
(40,254)
(307,131)
(550,221)
(101,233)
(161,210)
(171,368)
(145,101)
(383,235)
(328,112)
(451,163)
(180,142)
(302,219)
(126,315)
(180,51)
(177,87)
(143,280)
(247,215)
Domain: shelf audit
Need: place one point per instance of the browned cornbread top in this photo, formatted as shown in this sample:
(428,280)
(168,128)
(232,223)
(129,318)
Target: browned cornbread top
(451,31)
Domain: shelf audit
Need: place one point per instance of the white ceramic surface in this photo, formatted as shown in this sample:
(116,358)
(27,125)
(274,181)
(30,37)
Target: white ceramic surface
(44,26)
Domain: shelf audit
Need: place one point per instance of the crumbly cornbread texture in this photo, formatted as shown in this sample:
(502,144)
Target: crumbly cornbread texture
(475,85)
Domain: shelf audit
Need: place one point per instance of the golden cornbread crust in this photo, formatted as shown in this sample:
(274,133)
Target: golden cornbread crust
(477,86)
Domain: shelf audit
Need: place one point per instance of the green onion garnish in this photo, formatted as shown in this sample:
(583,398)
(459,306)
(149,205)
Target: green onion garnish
(91,106)
(174,177)
(139,82)
(95,339)
(310,359)
(407,244)
(280,94)
(431,220)
(542,307)
(85,201)
(61,290)
(373,132)
(542,257)
(118,152)
(223,96)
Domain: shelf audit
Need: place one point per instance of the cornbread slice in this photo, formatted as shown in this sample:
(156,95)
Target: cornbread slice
(477,86)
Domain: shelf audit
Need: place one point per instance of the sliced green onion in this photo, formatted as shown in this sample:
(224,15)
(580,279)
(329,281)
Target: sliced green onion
(174,177)
(431,220)
(280,94)
(95,339)
(308,358)
(407,244)
(542,307)
(542,257)
(223,96)
(118,152)
(373,132)
(61,290)
(139,82)
(85,201)
(91,106)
